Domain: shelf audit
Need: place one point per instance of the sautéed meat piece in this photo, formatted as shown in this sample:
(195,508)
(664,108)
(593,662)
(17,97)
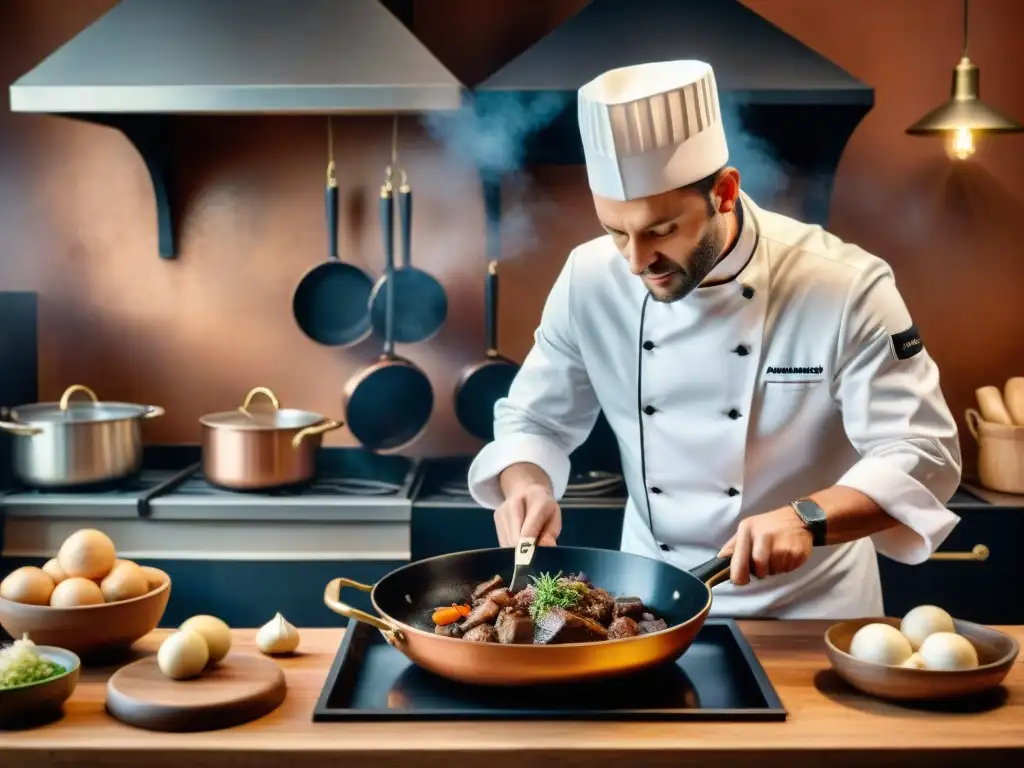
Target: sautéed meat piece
(553,609)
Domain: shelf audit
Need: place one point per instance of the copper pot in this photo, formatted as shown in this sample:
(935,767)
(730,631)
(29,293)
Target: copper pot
(262,449)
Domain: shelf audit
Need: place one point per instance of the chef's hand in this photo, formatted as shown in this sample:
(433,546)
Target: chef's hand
(529,511)
(768,544)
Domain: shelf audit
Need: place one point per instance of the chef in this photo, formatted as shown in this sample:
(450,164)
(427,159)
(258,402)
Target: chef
(771,396)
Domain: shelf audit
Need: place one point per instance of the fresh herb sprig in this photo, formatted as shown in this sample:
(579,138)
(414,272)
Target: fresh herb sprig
(552,591)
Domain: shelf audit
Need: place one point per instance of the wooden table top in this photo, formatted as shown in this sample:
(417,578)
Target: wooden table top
(827,722)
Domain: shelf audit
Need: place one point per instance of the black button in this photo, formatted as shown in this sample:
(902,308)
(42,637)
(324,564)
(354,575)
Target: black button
(664,547)
(649,409)
(655,489)
(648,345)
(742,350)
(734,414)
(748,292)
(733,492)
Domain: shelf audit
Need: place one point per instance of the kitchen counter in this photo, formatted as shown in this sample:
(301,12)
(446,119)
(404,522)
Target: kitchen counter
(827,721)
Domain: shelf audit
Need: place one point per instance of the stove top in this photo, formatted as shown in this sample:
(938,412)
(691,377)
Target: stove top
(718,678)
(172,483)
(444,481)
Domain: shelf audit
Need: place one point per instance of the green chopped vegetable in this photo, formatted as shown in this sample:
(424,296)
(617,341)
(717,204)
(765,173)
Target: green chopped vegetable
(21,664)
(552,591)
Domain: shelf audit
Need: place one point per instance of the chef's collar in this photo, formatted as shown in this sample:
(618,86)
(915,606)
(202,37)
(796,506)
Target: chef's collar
(737,257)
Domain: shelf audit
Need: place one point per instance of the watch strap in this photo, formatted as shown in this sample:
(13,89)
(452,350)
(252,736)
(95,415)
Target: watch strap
(814,519)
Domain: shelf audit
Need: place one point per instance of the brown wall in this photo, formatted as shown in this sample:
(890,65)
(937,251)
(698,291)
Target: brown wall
(193,335)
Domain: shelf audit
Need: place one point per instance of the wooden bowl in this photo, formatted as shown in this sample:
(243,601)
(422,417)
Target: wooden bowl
(996,655)
(89,629)
(27,702)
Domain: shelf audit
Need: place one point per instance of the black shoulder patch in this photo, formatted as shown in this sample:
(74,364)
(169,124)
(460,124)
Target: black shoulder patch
(906,344)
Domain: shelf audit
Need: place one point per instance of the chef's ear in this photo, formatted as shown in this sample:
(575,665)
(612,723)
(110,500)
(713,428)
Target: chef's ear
(726,190)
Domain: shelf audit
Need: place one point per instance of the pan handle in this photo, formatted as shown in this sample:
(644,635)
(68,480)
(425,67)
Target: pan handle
(316,429)
(714,571)
(405,218)
(331,599)
(491,309)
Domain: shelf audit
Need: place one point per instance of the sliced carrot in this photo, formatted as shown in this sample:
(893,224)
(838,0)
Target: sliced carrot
(443,616)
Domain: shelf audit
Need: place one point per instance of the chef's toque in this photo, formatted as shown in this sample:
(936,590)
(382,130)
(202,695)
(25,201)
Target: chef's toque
(650,128)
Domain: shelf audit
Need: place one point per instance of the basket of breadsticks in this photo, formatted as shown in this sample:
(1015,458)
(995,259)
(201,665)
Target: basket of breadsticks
(998,426)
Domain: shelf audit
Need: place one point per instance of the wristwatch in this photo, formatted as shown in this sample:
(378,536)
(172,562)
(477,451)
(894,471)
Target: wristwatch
(814,519)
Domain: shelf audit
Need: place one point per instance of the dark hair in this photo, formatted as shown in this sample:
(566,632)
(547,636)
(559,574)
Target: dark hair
(704,188)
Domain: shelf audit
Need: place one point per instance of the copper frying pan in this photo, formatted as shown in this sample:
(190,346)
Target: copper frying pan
(405,598)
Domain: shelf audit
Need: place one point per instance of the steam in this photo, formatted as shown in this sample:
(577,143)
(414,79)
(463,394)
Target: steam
(491,134)
(762,174)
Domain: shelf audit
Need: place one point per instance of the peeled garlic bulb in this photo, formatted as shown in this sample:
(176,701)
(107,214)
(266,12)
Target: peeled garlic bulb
(277,636)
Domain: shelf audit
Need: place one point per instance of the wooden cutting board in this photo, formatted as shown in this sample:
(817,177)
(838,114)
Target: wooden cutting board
(241,688)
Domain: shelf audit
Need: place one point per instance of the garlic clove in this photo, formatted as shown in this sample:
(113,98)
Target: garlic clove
(277,636)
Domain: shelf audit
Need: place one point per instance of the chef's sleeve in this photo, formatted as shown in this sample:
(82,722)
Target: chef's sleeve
(895,415)
(551,406)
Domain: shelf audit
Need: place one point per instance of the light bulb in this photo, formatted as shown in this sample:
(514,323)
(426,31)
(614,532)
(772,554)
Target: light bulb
(963,143)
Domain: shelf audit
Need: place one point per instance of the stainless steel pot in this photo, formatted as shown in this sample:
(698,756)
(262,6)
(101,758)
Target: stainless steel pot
(68,443)
(263,449)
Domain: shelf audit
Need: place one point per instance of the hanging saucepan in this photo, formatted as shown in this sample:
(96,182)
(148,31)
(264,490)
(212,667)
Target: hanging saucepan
(406,599)
(264,449)
(388,404)
(68,444)
(482,384)
(331,301)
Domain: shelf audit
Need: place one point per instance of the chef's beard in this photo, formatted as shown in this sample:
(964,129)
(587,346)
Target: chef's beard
(702,260)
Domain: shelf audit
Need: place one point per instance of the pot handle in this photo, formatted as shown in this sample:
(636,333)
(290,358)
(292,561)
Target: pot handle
(331,599)
(65,399)
(153,411)
(261,391)
(973,419)
(317,429)
(714,571)
(21,430)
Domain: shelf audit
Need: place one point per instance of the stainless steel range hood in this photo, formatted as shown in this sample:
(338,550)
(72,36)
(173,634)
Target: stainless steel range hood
(754,60)
(240,57)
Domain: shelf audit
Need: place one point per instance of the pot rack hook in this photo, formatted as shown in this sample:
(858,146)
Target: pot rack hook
(394,168)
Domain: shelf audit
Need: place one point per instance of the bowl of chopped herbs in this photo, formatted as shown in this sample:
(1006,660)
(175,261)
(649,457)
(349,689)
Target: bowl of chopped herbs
(35,680)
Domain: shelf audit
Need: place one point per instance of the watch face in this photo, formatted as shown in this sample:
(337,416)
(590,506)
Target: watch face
(814,517)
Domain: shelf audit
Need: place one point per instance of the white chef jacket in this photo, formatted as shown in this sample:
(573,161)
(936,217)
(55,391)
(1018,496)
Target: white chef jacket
(801,371)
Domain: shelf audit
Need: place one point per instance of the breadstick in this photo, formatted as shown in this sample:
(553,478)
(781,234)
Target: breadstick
(1013,394)
(990,403)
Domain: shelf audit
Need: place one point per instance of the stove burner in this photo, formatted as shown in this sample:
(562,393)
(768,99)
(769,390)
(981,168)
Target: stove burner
(175,479)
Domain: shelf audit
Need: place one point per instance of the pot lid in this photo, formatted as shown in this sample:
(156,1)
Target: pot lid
(262,419)
(77,413)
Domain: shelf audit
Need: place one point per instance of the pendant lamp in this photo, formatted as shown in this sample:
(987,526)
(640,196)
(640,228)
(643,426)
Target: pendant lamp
(964,116)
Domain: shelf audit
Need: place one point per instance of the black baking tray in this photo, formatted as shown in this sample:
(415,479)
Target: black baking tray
(718,678)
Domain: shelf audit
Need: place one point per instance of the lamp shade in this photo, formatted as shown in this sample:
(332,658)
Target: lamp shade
(965,111)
